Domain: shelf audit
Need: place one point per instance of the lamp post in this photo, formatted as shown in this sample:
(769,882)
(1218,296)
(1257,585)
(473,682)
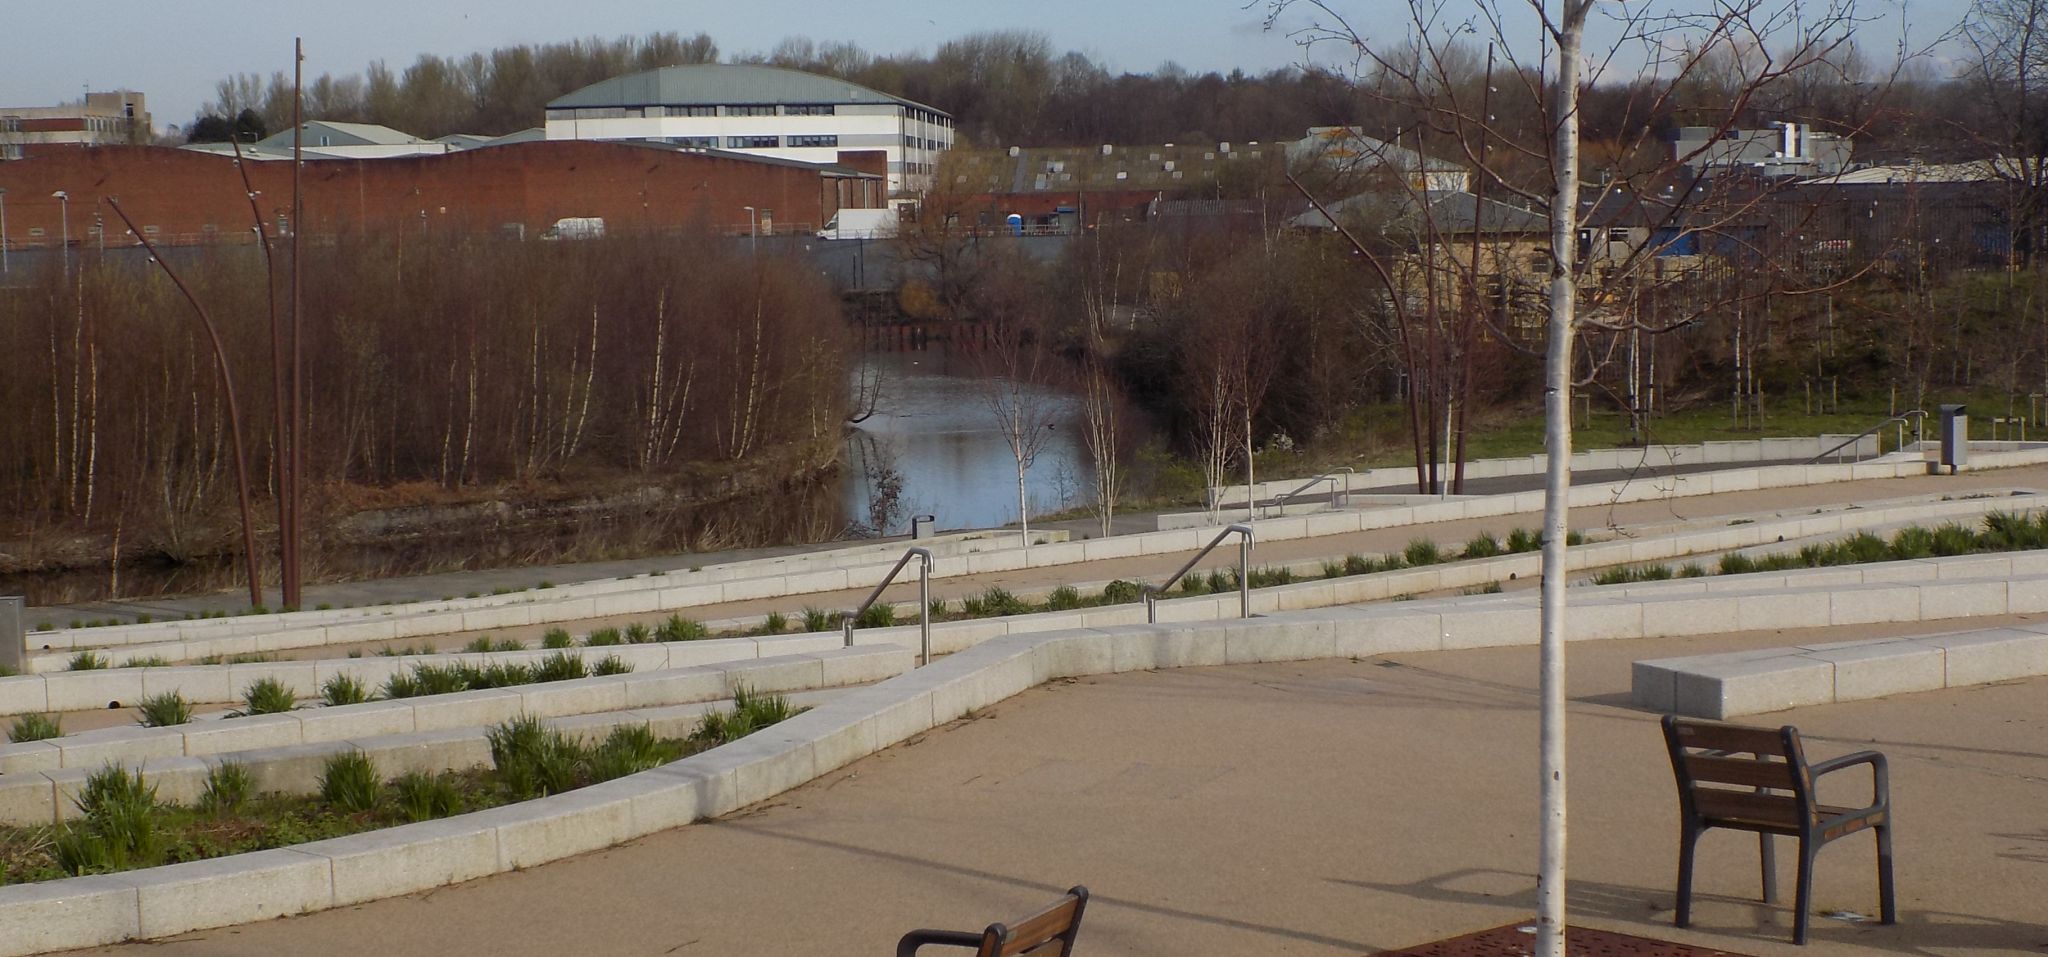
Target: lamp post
(753,232)
(65,198)
(3,230)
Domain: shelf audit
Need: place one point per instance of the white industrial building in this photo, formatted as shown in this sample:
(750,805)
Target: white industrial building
(759,110)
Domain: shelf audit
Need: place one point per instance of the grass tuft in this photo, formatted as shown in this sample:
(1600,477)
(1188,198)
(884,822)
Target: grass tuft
(344,689)
(36,727)
(349,782)
(228,787)
(88,661)
(165,710)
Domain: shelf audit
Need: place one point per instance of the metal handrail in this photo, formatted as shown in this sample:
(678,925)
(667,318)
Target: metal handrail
(1244,573)
(1337,491)
(924,600)
(1919,428)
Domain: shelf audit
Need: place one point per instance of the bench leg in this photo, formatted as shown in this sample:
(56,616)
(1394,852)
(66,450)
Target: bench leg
(1767,852)
(1807,850)
(1887,908)
(1688,838)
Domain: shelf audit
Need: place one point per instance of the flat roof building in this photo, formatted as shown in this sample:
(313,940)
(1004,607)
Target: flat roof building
(760,111)
(103,119)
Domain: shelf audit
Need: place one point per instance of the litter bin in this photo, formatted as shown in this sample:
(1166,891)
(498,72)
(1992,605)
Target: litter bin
(921,527)
(1955,438)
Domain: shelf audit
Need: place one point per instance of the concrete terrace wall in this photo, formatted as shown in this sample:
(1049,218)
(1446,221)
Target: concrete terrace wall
(54,690)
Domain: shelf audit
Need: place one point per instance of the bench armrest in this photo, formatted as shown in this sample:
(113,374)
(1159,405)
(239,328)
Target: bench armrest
(1880,784)
(942,938)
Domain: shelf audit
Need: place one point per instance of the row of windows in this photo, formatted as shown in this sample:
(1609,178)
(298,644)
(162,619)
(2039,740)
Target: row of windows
(920,143)
(814,141)
(623,112)
(752,142)
(927,116)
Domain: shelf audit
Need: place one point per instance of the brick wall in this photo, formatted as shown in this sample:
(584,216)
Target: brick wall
(194,197)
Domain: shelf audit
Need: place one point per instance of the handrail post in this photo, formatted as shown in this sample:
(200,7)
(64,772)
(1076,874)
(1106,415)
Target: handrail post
(924,610)
(1151,606)
(1244,575)
(847,626)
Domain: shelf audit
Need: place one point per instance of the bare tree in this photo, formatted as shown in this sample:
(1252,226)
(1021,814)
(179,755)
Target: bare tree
(1014,364)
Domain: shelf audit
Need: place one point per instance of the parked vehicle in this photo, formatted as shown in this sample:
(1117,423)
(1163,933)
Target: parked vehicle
(860,224)
(575,227)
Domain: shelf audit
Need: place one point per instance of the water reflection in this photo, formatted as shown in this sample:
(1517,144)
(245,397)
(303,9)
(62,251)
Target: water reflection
(935,435)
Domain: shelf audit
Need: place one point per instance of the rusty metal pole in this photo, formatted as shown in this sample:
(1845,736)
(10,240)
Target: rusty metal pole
(298,468)
(279,454)
(227,382)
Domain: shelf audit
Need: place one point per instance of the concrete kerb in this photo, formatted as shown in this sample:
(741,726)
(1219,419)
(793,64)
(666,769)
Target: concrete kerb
(725,778)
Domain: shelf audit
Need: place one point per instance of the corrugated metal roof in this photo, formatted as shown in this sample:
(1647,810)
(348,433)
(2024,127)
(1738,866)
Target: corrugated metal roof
(341,134)
(723,83)
(1975,171)
(1447,211)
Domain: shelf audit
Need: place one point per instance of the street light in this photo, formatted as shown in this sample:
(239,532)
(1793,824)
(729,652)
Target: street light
(753,233)
(3,230)
(65,198)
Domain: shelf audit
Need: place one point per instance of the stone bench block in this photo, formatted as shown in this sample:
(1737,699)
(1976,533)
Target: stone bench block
(772,646)
(1076,653)
(431,752)
(1728,689)
(288,770)
(2026,595)
(1886,668)
(642,602)
(231,890)
(372,629)
(398,860)
(60,915)
(2002,655)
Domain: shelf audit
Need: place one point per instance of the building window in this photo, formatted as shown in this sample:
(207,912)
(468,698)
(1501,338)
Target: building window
(695,142)
(601,113)
(752,142)
(750,111)
(690,111)
(1618,234)
(811,109)
(814,141)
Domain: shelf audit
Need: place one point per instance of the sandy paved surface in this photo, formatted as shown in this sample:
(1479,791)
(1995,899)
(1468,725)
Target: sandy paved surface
(1332,807)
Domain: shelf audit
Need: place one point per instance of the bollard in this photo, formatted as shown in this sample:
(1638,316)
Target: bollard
(13,634)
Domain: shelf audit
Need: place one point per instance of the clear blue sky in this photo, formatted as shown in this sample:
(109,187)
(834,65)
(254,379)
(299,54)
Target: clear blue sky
(175,50)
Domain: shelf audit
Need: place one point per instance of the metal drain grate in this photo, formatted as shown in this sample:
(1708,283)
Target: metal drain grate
(1519,940)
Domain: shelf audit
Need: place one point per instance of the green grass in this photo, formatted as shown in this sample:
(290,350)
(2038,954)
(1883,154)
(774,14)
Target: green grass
(349,782)
(486,644)
(610,665)
(1482,545)
(1121,592)
(35,727)
(344,689)
(878,615)
(1625,574)
(776,623)
(147,661)
(638,633)
(88,661)
(816,619)
(1422,551)
(557,638)
(603,637)
(1063,598)
(228,788)
(423,680)
(119,828)
(678,628)
(267,696)
(424,797)
(165,710)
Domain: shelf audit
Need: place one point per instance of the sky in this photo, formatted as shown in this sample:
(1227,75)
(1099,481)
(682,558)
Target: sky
(174,51)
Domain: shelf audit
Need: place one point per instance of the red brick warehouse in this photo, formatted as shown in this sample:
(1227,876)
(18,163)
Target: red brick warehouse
(185,197)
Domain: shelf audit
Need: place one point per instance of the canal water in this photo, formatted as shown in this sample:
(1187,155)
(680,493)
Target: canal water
(933,447)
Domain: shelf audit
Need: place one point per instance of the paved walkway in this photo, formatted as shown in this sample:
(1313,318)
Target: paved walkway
(1330,807)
